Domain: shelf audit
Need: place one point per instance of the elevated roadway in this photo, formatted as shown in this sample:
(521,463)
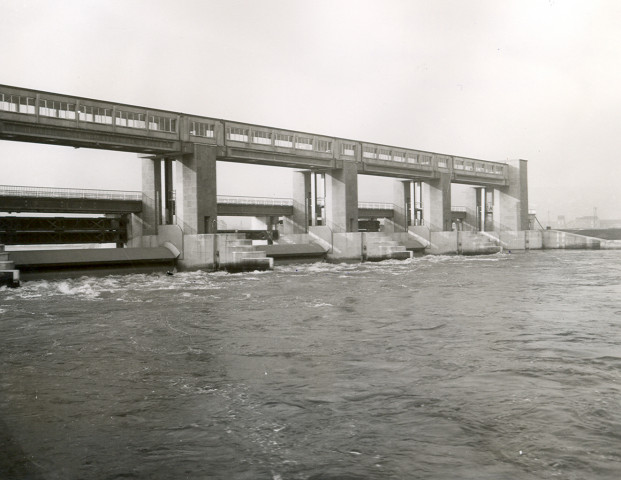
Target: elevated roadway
(18,199)
(22,199)
(28,115)
(27,199)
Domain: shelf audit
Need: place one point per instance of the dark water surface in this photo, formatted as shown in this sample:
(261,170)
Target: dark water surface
(493,367)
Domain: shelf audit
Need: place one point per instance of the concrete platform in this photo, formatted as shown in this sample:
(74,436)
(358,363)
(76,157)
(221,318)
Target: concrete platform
(35,264)
(292,250)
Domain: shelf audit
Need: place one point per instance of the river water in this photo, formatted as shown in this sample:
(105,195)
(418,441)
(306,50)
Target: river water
(493,367)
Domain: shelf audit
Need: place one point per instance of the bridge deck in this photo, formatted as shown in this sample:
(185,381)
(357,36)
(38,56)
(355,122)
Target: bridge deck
(20,199)
(43,117)
(68,200)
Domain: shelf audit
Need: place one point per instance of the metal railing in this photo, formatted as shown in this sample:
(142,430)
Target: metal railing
(376,206)
(51,192)
(288,202)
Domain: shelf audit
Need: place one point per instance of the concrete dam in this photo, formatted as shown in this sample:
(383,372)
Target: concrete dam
(174,219)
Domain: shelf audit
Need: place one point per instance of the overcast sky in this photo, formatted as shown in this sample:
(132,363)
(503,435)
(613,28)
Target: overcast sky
(538,80)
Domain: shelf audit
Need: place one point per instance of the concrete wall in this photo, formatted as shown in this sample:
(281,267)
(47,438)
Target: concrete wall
(321,235)
(359,245)
(521,240)
(340,246)
(610,244)
(410,240)
(389,227)
(421,232)
(347,246)
(291,238)
(557,239)
(198,252)
(477,243)
(208,251)
(535,239)
(442,243)
(461,242)
(166,233)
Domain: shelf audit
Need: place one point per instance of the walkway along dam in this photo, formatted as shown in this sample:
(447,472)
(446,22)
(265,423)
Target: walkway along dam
(178,208)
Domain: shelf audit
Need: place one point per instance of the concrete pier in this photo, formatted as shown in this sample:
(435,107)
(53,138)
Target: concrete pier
(437,203)
(342,198)
(300,219)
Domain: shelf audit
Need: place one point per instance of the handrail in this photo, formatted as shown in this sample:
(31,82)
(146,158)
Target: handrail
(376,205)
(542,228)
(255,200)
(29,191)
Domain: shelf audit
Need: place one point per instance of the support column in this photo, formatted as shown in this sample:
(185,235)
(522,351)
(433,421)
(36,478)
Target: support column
(417,206)
(313,202)
(481,207)
(298,222)
(489,208)
(437,203)
(151,201)
(402,203)
(511,202)
(169,189)
(342,198)
(320,180)
(196,187)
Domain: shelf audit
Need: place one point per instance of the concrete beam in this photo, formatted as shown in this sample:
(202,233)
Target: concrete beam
(261,156)
(247,210)
(106,138)
(394,169)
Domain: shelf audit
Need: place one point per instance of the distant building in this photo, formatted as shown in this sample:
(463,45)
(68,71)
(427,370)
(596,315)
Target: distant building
(586,222)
